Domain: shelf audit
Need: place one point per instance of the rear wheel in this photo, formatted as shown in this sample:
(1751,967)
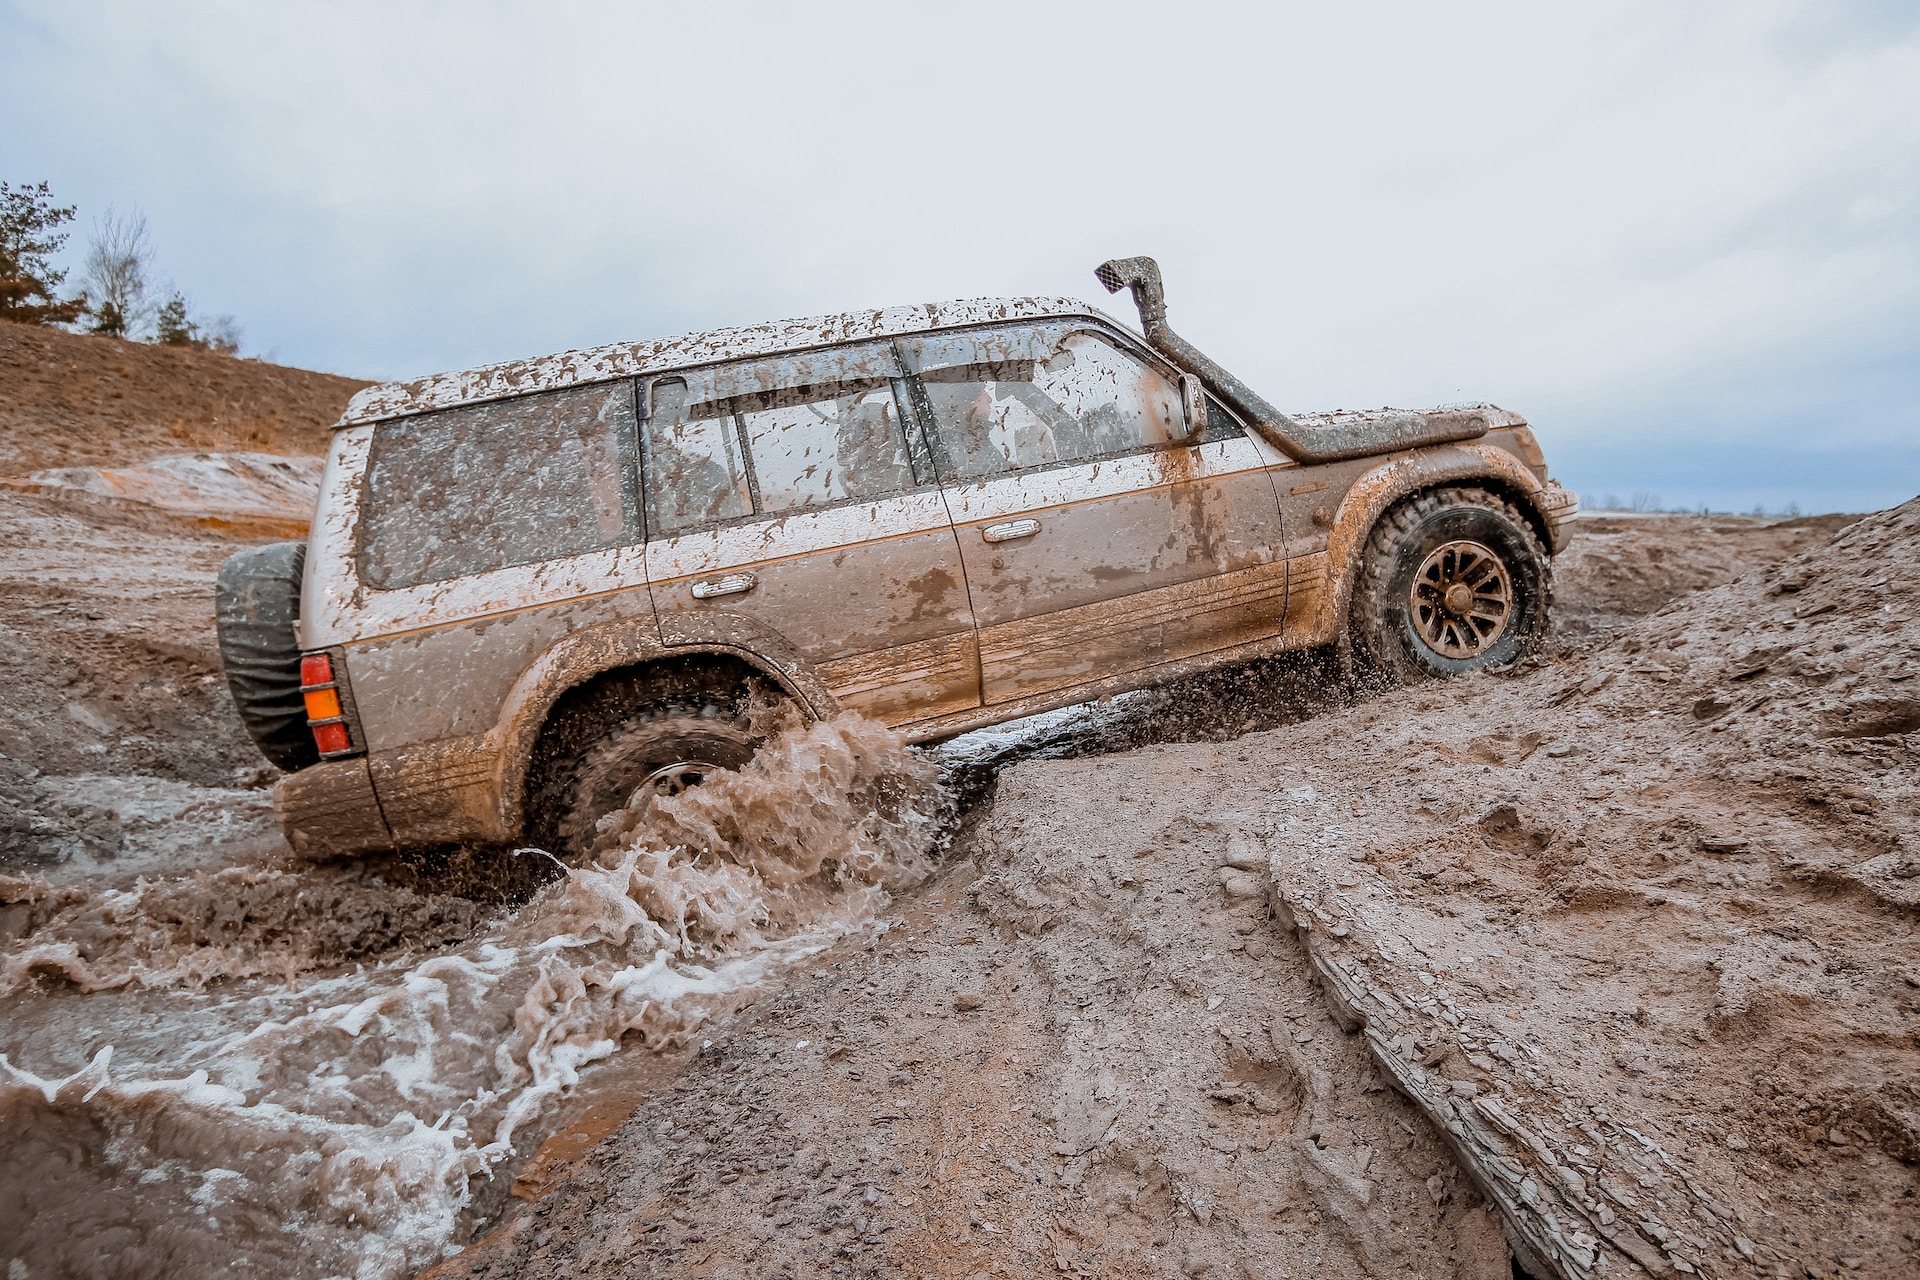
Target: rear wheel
(1451,581)
(657,749)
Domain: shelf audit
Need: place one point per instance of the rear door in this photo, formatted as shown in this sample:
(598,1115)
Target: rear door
(1096,541)
(787,508)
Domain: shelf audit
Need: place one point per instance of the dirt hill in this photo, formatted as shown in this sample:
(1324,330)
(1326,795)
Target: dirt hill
(1612,959)
(77,401)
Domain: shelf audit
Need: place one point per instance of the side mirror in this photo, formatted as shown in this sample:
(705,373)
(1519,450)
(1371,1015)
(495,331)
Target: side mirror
(1193,399)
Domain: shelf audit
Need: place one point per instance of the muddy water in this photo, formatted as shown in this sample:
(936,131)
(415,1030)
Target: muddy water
(196,1076)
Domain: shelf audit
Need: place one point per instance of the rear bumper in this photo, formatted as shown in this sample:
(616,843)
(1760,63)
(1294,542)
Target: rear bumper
(328,810)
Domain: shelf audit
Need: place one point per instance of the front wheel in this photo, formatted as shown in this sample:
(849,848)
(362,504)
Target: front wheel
(1451,581)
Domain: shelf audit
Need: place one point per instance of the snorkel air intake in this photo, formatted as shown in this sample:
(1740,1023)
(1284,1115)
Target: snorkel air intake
(1385,432)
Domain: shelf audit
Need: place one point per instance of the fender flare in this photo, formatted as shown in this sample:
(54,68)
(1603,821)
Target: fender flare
(1400,477)
(611,646)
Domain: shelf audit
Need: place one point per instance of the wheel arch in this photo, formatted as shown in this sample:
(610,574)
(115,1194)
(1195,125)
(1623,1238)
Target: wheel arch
(1407,476)
(595,663)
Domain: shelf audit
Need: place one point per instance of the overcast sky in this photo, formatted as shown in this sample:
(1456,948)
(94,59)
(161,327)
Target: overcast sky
(1682,239)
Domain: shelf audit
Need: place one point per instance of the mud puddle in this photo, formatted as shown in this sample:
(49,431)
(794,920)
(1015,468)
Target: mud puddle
(196,1076)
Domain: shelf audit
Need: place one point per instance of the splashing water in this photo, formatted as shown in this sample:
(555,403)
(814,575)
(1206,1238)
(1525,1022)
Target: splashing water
(344,1127)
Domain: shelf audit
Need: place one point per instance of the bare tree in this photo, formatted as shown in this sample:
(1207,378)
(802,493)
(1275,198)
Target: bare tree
(119,259)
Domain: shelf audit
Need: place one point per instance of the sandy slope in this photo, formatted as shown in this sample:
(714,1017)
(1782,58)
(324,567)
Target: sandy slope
(1629,935)
(111,530)
(71,401)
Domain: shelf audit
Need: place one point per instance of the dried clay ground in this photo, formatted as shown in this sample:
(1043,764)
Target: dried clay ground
(1604,966)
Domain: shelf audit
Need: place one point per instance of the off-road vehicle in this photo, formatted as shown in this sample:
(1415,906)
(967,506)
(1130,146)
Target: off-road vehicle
(535,588)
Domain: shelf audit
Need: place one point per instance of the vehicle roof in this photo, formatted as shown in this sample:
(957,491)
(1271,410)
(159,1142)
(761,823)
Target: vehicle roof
(658,355)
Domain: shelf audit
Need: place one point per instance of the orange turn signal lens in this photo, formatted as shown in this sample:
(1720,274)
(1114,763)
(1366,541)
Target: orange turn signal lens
(316,668)
(331,737)
(323,704)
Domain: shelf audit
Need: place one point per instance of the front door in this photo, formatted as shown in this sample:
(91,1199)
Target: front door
(787,515)
(1096,541)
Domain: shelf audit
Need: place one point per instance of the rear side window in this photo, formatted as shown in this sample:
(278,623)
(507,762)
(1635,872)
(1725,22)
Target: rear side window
(1006,400)
(775,436)
(490,486)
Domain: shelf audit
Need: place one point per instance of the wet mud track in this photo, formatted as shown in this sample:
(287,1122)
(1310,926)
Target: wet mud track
(957,1040)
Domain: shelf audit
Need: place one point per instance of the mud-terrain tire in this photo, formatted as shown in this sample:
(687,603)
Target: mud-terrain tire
(673,740)
(256,604)
(1451,581)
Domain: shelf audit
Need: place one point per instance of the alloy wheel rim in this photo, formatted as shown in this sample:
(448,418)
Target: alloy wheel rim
(670,780)
(1461,599)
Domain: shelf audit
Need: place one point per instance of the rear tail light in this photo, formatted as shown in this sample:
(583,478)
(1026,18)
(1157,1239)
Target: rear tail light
(323,704)
(332,738)
(325,716)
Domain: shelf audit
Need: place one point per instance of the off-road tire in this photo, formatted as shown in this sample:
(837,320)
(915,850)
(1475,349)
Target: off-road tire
(1397,641)
(256,605)
(710,727)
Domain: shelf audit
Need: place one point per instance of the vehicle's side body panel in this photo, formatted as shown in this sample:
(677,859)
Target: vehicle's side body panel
(433,664)
(1096,539)
(871,595)
(794,492)
(1139,560)
(432,704)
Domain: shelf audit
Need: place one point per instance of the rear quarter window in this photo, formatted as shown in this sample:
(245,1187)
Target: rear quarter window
(492,486)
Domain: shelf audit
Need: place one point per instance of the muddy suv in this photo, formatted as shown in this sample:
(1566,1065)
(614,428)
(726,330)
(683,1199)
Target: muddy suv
(533,589)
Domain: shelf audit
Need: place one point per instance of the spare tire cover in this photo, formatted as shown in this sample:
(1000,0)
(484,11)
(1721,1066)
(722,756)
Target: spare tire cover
(256,603)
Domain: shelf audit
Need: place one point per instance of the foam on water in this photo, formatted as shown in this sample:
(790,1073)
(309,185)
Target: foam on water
(344,1127)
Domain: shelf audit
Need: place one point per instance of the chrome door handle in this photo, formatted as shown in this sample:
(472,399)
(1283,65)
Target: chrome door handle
(731,584)
(1011,530)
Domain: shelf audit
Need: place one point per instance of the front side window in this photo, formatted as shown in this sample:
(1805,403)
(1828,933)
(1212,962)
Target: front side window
(490,486)
(774,436)
(1006,400)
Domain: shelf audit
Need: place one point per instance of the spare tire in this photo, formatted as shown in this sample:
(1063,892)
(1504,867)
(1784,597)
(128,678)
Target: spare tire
(256,604)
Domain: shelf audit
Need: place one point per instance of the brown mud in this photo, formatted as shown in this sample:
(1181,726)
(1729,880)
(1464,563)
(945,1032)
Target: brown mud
(1657,885)
(1611,958)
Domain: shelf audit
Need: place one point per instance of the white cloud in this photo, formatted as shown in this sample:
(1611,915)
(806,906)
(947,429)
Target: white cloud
(1610,217)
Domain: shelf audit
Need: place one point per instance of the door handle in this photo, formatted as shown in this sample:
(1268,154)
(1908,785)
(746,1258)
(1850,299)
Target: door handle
(731,584)
(1011,530)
